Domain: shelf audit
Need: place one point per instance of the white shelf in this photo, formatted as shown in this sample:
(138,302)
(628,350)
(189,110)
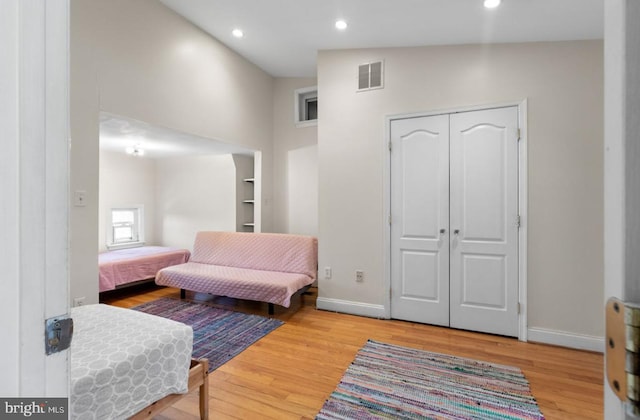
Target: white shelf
(249,226)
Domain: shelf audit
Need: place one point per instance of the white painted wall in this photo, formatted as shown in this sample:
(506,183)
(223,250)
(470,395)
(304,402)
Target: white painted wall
(286,138)
(563,83)
(302,185)
(84,159)
(141,60)
(194,194)
(126,181)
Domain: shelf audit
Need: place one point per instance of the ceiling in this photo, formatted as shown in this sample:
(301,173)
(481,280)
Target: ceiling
(117,133)
(283,36)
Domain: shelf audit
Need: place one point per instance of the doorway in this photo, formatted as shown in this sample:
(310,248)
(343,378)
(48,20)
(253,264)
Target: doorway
(454,232)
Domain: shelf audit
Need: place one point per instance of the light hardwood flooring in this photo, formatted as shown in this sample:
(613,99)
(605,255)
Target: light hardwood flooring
(290,372)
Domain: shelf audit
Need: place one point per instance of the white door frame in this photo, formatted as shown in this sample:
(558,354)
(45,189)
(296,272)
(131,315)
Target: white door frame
(34,179)
(621,162)
(522,202)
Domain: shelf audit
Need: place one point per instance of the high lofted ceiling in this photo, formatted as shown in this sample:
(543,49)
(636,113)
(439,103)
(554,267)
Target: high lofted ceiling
(283,36)
(118,133)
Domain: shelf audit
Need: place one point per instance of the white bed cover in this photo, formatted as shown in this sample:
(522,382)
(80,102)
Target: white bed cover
(123,360)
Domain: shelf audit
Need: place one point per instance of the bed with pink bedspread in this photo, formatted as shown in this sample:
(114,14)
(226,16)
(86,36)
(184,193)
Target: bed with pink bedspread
(125,266)
(265,267)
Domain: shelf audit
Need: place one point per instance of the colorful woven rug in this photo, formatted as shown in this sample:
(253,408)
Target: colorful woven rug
(392,382)
(218,334)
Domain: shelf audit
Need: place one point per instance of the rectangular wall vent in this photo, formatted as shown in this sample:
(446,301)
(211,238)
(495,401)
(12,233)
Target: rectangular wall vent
(370,76)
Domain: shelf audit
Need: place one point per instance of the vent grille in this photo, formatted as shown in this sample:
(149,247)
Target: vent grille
(370,76)
(363,76)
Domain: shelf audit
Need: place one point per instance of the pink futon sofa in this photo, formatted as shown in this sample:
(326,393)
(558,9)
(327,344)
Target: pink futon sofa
(265,267)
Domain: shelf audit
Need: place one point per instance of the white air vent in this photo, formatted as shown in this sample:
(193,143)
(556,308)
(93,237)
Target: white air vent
(370,76)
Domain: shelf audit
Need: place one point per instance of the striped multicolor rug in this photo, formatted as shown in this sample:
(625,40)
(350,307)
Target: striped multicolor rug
(392,382)
(218,334)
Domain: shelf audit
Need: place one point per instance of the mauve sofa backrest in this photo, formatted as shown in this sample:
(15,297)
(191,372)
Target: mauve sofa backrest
(258,251)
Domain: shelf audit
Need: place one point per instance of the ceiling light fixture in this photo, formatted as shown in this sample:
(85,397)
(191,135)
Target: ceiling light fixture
(135,150)
(341,25)
(490,4)
(237,33)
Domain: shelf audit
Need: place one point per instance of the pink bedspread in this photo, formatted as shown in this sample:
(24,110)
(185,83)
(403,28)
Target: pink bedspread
(240,283)
(133,264)
(263,251)
(266,267)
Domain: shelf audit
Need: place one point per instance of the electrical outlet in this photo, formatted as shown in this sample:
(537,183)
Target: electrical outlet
(79,301)
(359,276)
(327,273)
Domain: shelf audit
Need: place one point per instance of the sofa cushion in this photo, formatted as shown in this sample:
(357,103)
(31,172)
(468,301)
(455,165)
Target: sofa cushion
(264,251)
(240,283)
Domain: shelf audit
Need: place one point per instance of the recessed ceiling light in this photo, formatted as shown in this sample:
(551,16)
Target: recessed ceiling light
(341,25)
(490,4)
(237,33)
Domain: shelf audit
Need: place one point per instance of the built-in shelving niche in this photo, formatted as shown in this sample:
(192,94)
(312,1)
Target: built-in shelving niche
(245,193)
(249,204)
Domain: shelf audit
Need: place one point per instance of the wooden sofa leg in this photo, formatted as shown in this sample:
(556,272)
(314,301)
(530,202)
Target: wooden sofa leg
(271,309)
(183,293)
(204,394)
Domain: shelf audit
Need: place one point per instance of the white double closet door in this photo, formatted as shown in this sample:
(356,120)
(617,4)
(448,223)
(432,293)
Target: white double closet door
(454,231)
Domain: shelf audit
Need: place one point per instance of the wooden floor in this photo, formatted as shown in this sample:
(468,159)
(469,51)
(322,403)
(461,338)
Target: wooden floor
(289,373)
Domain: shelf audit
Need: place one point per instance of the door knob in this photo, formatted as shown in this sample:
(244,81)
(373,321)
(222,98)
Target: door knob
(443,231)
(457,231)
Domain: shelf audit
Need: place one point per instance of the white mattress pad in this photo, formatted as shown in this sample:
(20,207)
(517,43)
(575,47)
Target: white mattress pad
(123,360)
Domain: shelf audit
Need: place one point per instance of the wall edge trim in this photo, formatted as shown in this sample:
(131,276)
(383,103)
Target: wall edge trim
(351,307)
(566,339)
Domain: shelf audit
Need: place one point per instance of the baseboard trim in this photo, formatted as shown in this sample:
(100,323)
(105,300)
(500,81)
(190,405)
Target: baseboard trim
(566,339)
(350,307)
(537,335)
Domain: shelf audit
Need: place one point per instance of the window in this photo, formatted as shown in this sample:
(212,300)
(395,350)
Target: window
(125,227)
(310,111)
(306,106)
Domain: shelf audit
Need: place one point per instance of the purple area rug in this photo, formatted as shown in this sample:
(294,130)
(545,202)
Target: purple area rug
(218,334)
(392,382)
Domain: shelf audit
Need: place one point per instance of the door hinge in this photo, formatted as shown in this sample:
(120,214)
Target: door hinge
(389,219)
(622,352)
(518,221)
(519,308)
(519,135)
(389,145)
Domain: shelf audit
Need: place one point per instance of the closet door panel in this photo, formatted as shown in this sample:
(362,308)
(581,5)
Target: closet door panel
(420,210)
(484,210)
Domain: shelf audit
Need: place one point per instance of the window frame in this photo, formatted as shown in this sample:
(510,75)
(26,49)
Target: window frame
(137,228)
(302,97)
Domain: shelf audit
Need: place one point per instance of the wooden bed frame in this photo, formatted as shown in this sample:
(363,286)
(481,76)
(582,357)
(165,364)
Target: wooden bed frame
(198,378)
